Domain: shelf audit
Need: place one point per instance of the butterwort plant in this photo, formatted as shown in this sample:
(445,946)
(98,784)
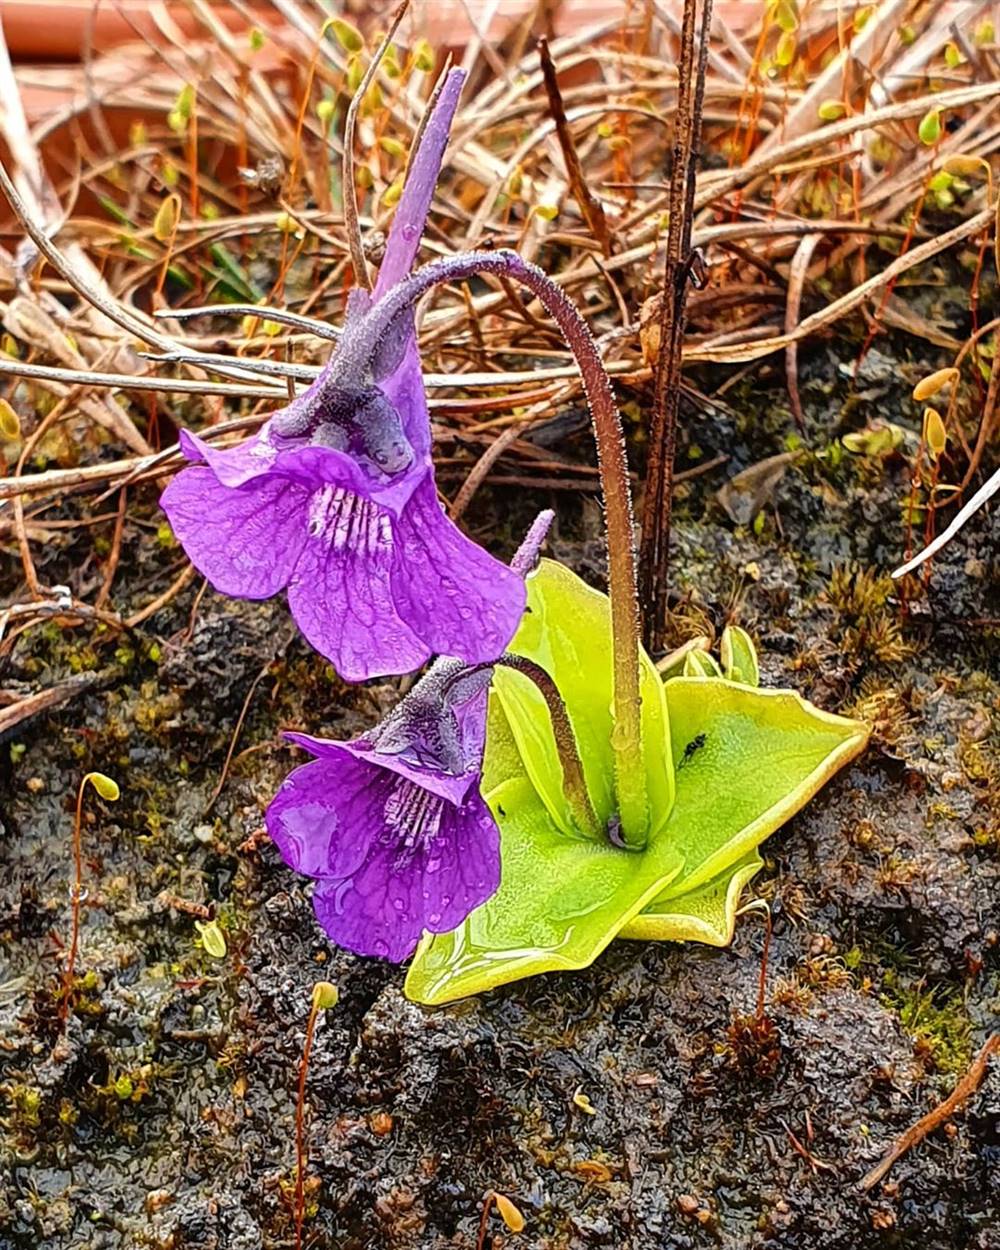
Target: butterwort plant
(544,789)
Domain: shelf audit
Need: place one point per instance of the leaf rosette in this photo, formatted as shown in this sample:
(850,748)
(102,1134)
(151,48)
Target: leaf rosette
(726,764)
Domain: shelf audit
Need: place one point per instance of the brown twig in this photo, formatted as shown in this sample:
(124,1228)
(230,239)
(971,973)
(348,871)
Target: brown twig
(352,221)
(324,996)
(796,281)
(300,1123)
(136,619)
(654,551)
(967,1086)
(236,735)
(104,594)
(590,206)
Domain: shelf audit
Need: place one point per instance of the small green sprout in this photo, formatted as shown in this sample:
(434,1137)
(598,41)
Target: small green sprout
(213,940)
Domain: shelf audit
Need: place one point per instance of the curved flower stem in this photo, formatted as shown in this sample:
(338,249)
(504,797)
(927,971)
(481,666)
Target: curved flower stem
(626,744)
(574,781)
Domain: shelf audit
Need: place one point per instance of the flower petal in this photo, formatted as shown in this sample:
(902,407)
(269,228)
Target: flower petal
(247,540)
(405,386)
(327,813)
(454,595)
(452,788)
(233,466)
(342,601)
(405,390)
(384,907)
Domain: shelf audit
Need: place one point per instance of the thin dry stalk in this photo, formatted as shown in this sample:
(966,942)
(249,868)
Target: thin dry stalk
(965,1088)
(590,206)
(654,552)
(351,218)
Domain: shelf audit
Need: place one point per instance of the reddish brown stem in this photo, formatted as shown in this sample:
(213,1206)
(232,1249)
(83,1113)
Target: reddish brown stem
(300,1124)
(934,1119)
(590,207)
(764,955)
(654,550)
(74,941)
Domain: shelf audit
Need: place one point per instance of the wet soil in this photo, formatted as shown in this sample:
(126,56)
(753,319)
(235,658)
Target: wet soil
(163,1115)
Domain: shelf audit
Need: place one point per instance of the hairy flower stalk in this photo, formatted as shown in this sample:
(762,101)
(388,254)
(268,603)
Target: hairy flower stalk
(389,319)
(574,782)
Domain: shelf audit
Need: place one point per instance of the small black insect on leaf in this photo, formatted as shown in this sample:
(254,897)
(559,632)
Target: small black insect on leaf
(694,745)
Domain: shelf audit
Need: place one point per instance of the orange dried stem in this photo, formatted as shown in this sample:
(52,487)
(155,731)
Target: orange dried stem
(74,941)
(300,1125)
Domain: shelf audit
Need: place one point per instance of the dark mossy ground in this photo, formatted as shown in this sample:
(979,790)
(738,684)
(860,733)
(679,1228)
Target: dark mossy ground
(164,1115)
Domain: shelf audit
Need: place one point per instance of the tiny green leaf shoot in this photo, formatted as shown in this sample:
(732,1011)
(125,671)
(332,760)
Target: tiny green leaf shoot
(739,656)
(423,56)
(166,219)
(348,36)
(784,54)
(213,940)
(831,111)
(392,192)
(701,664)
(672,665)
(929,130)
(10,422)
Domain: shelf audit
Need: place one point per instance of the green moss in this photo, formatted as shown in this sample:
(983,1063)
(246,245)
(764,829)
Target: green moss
(935,1018)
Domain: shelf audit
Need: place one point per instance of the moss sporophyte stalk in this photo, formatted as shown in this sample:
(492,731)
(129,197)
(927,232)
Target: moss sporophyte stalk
(542,789)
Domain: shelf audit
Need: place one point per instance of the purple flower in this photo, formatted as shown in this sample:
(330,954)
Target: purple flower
(334,500)
(392,825)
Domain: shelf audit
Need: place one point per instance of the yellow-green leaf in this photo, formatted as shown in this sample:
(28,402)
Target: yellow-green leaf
(739,656)
(929,130)
(348,36)
(706,914)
